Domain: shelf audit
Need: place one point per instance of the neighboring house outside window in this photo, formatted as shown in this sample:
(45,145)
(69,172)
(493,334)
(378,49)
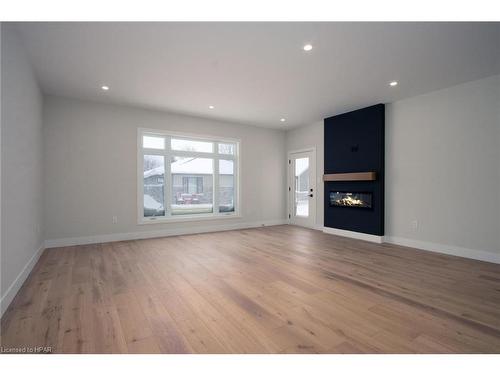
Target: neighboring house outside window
(191,185)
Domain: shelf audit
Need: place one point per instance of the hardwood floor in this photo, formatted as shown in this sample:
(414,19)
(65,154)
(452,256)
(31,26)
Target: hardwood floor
(280,289)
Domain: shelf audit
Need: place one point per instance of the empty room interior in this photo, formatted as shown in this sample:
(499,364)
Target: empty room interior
(250,187)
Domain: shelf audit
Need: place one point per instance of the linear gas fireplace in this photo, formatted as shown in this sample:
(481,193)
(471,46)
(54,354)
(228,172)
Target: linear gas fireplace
(351,199)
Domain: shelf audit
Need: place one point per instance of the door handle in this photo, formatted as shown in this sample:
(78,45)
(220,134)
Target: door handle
(311,195)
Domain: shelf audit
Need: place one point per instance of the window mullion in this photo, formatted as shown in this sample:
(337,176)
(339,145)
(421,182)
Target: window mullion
(216,186)
(167,187)
(152,151)
(194,154)
(236,184)
(140,174)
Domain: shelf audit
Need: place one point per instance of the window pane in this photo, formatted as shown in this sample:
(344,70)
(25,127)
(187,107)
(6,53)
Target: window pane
(302,187)
(157,143)
(154,177)
(192,185)
(188,145)
(226,186)
(226,148)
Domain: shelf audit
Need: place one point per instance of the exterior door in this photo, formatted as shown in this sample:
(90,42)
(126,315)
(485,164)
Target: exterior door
(302,188)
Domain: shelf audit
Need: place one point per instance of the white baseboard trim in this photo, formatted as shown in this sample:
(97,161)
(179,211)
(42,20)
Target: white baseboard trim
(458,251)
(351,234)
(73,241)
(18,282)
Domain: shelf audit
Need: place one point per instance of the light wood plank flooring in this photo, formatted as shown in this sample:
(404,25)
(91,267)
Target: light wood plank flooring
(281,289)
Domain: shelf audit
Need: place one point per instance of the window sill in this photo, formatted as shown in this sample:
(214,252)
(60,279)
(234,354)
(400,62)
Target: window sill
(187,218)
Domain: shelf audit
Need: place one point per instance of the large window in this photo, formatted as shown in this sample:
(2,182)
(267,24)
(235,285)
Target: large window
(186,177)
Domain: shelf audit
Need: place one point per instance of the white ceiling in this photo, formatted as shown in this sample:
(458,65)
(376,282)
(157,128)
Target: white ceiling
(256,73)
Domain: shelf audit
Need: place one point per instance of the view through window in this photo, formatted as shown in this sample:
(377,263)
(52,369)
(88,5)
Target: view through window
(186,176)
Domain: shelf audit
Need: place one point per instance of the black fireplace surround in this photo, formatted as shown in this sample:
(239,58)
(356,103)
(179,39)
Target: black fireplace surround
(354,142)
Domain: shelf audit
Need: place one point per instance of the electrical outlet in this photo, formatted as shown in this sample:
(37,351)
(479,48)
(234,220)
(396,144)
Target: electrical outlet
(414,225)
(115,219)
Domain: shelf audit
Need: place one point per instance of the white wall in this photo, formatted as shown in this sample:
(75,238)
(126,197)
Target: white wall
(307,137)
(21,146)
(443,168)
(91,171)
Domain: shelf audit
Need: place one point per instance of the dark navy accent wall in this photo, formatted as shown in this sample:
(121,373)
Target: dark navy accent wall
(354,142)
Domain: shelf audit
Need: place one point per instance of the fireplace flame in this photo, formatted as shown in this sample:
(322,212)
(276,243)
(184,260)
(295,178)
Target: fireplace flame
(350,201)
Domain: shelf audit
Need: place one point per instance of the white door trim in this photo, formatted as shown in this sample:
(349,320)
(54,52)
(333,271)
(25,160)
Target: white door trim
(313,182)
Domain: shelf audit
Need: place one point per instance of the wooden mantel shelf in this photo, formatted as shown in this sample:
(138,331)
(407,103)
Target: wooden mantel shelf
(355,176)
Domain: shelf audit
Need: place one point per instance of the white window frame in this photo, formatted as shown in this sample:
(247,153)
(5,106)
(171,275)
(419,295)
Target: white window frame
(167,153)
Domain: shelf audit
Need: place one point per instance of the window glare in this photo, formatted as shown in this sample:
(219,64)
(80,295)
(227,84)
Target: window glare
(157,143)
(189,145)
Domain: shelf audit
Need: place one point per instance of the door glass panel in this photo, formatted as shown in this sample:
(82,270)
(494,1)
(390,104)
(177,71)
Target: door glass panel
(302,187)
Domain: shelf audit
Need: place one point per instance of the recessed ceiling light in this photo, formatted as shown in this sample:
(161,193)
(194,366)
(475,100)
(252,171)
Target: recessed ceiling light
(105,88)
(393,83)
(211,107)
(308,47)
(282,119)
